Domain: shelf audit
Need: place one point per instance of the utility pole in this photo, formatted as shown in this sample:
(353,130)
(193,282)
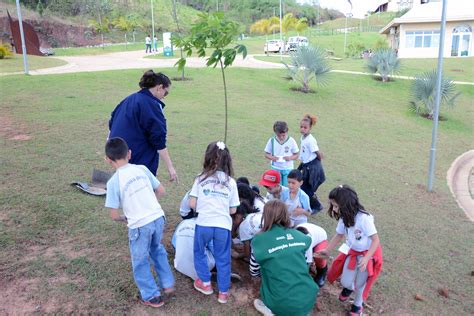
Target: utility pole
(152,23)
(281,40)
(434,134)
(22,35)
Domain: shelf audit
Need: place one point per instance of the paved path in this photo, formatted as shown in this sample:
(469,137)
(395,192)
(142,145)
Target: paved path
(136,60)
(461,182)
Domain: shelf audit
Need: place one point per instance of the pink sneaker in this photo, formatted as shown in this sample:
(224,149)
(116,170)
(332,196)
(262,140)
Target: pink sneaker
(168,290)
(204,289)
(223,297)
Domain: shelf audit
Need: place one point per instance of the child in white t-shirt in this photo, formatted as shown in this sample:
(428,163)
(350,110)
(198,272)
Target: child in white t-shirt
(214,196)
(134,189)
(318,242)
(361,251)
(311,166)
(281,150)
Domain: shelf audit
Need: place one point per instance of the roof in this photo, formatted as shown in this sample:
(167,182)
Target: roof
(431,12)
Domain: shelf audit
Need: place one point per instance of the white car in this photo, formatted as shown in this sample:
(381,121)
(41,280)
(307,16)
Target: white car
(296,41)
(273,46)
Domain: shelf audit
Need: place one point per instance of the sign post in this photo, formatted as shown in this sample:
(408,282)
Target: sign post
(167,46)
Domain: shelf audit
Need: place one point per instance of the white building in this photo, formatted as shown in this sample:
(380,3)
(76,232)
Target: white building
(416,33)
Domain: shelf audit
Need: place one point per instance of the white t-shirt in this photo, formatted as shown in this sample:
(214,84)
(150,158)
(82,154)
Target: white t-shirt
(183,242)
(259,204)
(250,226)
(147,40)
(318,234)
(309,147)
(132,188)
(215,196)
(286,149)
(184,208)
(358,236)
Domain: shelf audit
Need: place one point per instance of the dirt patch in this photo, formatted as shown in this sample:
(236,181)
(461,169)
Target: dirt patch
(12,129)
(16,298)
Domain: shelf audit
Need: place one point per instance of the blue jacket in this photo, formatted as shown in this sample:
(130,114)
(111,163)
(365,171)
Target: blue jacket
(140,121)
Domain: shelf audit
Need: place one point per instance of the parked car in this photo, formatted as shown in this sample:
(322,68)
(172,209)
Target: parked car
(296,41)
(273,46)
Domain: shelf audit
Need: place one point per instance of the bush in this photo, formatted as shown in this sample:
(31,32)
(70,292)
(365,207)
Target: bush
(424,93)
(384,62)
(381,44)
(308,63)
(5,51)
(355,50)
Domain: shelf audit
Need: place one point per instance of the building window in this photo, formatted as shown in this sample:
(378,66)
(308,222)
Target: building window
(426,39)
(461,40)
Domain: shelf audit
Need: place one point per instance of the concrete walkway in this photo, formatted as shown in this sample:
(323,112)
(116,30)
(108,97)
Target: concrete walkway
(461,182)
(136,60)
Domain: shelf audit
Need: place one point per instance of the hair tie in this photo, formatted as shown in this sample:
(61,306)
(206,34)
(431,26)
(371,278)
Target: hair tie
(220,145)
(340,186)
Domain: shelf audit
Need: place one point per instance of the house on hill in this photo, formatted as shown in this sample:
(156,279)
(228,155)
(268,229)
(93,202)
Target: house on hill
(416,33)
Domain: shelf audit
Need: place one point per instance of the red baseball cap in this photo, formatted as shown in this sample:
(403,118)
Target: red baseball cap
(270,178)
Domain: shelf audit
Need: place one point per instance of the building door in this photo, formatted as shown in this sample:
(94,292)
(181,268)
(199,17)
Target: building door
(461,41)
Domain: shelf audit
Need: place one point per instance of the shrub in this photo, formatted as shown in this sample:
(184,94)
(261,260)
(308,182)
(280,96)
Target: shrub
(384,62)
(308,63)
(424,93)
(5,51)
(355,50)
(381,43)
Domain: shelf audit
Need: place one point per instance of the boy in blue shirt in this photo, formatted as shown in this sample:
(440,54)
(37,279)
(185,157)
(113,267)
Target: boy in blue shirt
(134,189)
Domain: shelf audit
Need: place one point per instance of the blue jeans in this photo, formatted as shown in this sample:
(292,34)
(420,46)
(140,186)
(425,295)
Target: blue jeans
(221,242)
(145,243)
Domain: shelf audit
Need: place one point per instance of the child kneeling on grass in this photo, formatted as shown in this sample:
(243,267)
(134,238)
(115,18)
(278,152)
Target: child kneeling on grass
(136,190)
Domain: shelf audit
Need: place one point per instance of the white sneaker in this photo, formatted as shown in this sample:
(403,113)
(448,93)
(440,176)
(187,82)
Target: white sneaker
(262,308)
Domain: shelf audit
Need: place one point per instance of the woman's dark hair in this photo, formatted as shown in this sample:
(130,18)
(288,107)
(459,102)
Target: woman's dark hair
(275,212)
(244,180)
(151,79)
(217,159)
(248,196)
(348,202)
(296,175)
(116,148)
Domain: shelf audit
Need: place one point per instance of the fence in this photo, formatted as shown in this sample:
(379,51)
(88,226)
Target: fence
(353,29)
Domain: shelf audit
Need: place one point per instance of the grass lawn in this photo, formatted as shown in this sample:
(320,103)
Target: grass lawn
(75,51)
(15,63)
(60,253)
(459,69)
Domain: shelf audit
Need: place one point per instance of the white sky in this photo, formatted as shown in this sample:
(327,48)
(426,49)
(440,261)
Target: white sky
(359,7)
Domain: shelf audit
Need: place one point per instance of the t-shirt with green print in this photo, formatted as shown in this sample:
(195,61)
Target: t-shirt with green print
(287,288)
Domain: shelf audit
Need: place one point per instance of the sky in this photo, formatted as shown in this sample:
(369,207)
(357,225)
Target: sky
(359,7)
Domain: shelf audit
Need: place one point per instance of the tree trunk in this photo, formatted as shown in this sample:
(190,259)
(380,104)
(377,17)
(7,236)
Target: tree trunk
(225,98)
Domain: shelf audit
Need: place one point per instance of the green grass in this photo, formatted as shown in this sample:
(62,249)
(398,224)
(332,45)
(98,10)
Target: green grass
(15,63)
(75,51)
(61,252)
(381,19)
(458,69)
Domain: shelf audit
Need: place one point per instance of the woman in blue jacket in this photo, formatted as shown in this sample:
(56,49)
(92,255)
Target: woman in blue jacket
(140,121)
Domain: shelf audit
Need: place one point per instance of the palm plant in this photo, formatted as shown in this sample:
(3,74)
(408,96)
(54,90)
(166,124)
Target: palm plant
(301,25)
(384,62)
(424,93)
(308,63)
